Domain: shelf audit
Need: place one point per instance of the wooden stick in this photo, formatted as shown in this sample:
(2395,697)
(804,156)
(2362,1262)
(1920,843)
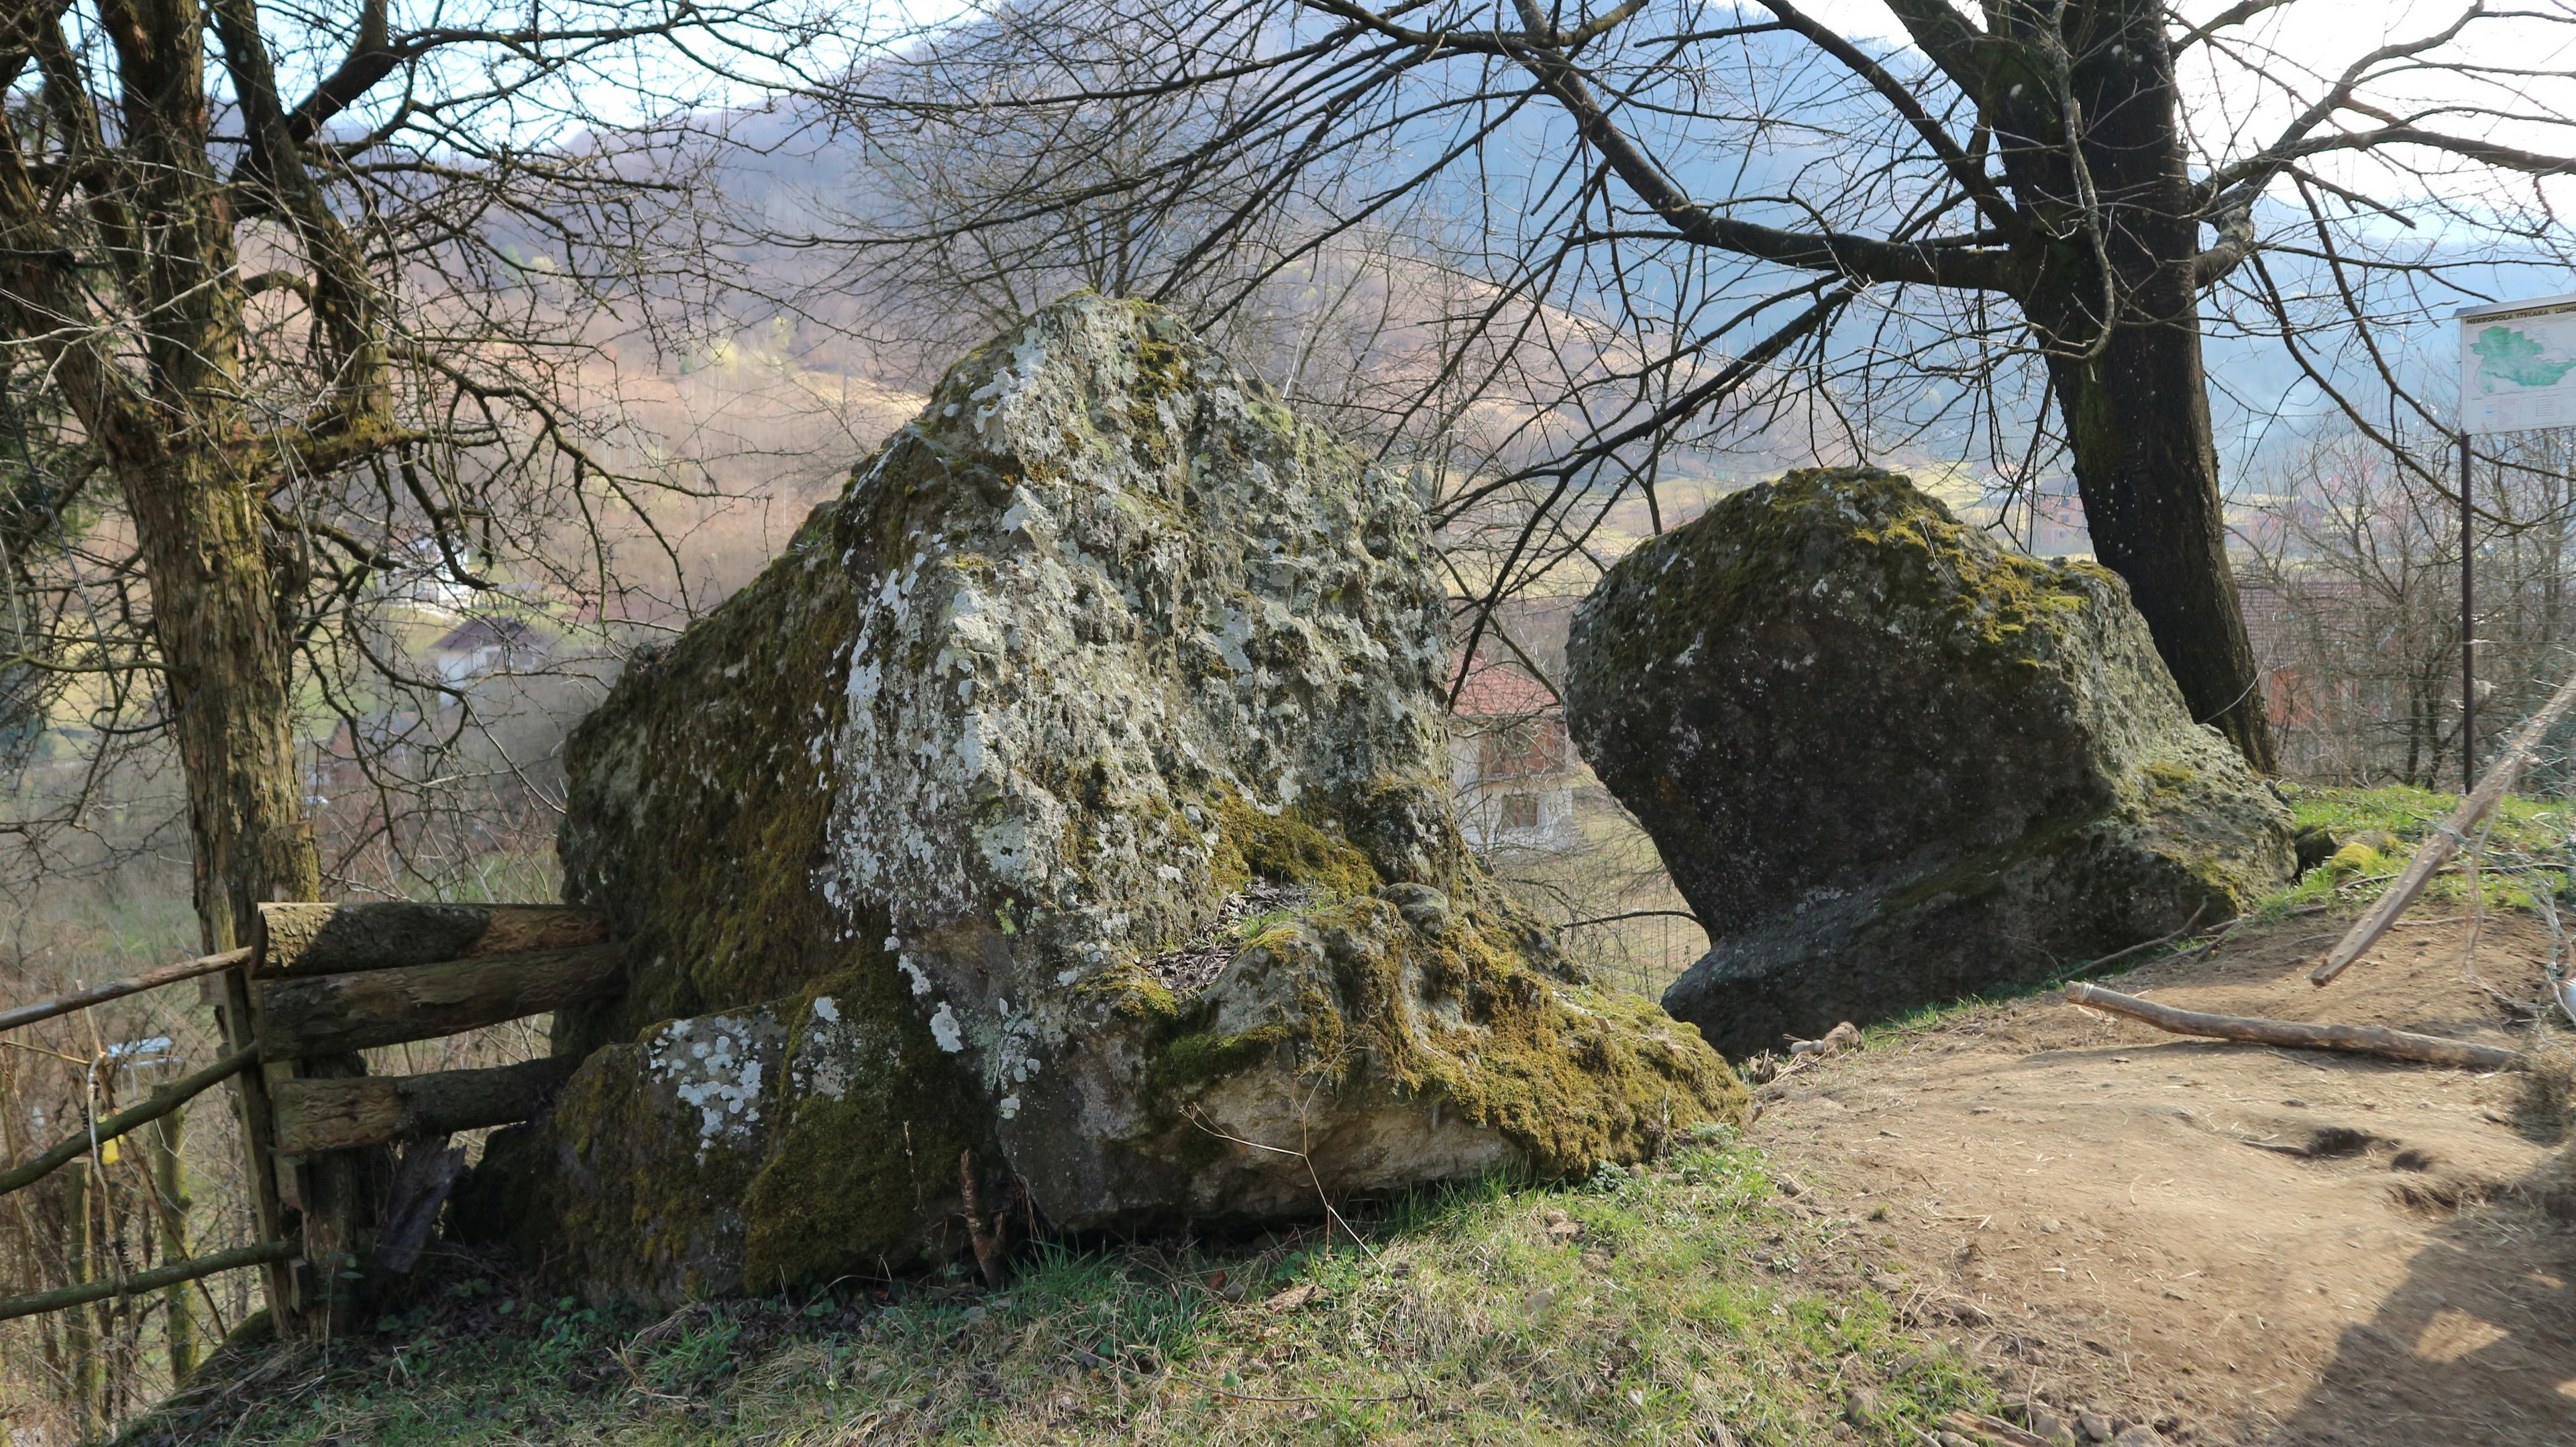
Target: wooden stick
(160,1103)
(2298,1035)
(335,1115)
(144,1281)
(329,1014)
(423,1178)
(259,1151)
(16,1016)
(1982,1425)
(2447,836)
(2116,956)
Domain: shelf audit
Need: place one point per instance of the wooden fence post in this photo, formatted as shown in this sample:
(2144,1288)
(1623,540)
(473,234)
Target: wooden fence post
(318,984)
(259,1156)
(170,1199)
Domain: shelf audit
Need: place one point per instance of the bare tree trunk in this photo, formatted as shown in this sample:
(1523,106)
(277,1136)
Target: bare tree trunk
(2415,773)
(2096,153)
(2138,418)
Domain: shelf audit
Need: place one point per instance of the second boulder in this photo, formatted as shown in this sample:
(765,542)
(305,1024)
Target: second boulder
(1890,763)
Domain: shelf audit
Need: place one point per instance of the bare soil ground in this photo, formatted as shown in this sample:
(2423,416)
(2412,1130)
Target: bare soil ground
(2233,1243)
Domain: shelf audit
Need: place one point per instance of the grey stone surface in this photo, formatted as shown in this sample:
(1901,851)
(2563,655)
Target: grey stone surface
(1072,798)
(1891,764)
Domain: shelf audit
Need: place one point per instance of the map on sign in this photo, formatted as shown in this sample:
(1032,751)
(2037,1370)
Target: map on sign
(2518,366)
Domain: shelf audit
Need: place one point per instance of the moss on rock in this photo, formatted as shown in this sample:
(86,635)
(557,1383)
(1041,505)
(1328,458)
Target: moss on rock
(1891,762)
(1100,643)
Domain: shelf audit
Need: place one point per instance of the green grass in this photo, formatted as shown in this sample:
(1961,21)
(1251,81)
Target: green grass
(2524,860)
(1682,1297)
(2525,846)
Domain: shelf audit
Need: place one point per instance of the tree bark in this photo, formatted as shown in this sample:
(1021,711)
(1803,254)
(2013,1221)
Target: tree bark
(216,617)
(2137,416)
(2093,144)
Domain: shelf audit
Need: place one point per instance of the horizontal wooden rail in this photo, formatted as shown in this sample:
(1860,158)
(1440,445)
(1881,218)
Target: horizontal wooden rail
(15,1016)
(332,1014)
(143,1281)
(160,1103)
(338,1115)
(300,940)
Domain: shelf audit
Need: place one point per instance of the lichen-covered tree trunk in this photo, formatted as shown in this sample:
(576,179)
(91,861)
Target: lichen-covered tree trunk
(185,456)
(216,618)
(219,626)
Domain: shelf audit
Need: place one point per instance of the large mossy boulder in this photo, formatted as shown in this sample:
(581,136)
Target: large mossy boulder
(1064,818)
(1890,763)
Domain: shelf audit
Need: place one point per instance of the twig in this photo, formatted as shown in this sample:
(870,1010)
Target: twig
(2116,956)
(2211,945)
(1981,1425)
(626,1353)
(1096,1359)
(1634,914)
(1317,1181)
(2477,908)
(2352,1039)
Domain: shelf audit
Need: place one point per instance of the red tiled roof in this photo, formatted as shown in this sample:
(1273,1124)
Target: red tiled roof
(1504,690)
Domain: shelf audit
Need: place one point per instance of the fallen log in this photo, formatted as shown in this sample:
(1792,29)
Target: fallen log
(298,939)
(336,1115)
(2298,1035)
(334,1014)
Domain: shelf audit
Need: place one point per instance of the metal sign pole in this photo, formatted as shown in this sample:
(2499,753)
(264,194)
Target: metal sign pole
(2468,631)
(2517,373)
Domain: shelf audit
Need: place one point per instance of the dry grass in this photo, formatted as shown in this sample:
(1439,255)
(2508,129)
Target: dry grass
(1688,1304)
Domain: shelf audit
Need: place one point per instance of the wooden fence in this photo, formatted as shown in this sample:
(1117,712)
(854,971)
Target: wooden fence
(322,982)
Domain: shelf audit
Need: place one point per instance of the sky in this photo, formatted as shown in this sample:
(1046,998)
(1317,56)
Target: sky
(2323,36)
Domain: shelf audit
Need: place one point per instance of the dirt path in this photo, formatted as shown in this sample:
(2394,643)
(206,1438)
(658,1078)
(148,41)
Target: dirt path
(2233,1243)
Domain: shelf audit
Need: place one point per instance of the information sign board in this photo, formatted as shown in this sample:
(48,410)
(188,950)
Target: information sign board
(2518,365)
